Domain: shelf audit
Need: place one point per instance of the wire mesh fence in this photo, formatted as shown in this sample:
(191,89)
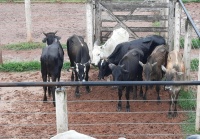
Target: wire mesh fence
(24,115)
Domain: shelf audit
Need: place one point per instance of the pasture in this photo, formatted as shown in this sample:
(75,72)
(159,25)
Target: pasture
(24,115)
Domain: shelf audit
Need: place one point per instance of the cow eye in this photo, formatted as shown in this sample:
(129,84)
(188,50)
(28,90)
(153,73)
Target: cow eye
(98,55)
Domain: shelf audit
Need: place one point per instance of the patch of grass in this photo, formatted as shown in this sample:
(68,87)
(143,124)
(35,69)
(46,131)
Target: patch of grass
(195,43)
(194,64)
(25,66)
(26,46)
(188,103)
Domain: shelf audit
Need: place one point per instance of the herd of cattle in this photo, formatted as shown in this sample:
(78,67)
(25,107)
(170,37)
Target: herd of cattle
(145,59)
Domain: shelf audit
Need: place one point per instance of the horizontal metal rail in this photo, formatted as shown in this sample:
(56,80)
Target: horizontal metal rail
(97,83)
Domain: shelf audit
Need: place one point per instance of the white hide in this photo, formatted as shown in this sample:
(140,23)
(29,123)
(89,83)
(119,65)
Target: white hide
(72,134)
(119,35)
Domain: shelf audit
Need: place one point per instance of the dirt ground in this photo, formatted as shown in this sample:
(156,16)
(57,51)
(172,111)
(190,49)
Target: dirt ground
(24,115)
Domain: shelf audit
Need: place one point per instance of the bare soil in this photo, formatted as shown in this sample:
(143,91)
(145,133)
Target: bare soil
(24,115)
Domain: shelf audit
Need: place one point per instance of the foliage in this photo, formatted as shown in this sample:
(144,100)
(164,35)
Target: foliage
(195,43)
(24,66)
(187,100)
(23,46)
(26,46)
(194,64)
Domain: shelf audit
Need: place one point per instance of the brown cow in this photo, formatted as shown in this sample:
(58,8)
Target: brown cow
(152,69)
(174,72)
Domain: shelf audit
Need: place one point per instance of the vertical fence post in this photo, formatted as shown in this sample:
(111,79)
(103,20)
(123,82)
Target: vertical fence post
(98,23)
(197,124)
(165,12)
(187,49)
(177,26)
(89,24)
(61,110)
(171,25)
(28,20)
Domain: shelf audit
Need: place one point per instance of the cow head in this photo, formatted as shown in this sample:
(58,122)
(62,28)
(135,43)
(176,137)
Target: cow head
(104,69)
(147,70)
(171,75)
(117,71)
(81,70)
(96,53)
(50,37)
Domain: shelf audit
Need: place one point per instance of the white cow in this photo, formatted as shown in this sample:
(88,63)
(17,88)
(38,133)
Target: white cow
(119,35)
(72,134)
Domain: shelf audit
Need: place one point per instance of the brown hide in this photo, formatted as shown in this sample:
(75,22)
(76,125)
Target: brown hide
(175,59)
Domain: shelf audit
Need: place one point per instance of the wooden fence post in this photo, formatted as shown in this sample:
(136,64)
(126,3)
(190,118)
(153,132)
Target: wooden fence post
(28,20)
(98,22)
(61,110)
(187,49)
(177,26)
(89,24)
(171,25)
(197,123)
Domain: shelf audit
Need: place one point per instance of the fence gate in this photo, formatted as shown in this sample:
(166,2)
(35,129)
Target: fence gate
(139,17)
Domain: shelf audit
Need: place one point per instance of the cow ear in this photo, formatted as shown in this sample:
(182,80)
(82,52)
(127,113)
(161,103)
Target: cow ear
(154,64)
(58,38)
(125,71)
(55,32)
(44,40)
(111,66)
(163,68)
(44,33)
(141,63)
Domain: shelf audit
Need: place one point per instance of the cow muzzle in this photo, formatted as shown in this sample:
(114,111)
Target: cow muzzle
(168,88)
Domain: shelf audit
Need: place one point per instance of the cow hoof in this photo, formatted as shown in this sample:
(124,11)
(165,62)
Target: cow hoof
(127,109)
(175,114)
(77,95)
(119,109)
(169,116)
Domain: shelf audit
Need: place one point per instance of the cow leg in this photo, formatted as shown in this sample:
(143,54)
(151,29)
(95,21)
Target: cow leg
(127,98)
(49,88)
(145,93)
(134,91)
(44,77)
(171,103)
(175,107)
(77,93)
(87,87)
(53,90)
(158,93)
(119,107)
(72,76)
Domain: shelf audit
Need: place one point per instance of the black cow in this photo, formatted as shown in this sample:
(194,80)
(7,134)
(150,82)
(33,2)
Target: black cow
(147,45)
(152,69)
(127,70)
(78,53)
(51,62)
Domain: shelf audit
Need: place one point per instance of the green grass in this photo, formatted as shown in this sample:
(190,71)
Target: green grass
(24,66)
(26,46)
(195,43)
(194,64)
(187,101)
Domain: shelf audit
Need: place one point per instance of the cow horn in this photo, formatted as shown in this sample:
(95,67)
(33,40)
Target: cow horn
(55,32)
(141,63)
(44,33)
